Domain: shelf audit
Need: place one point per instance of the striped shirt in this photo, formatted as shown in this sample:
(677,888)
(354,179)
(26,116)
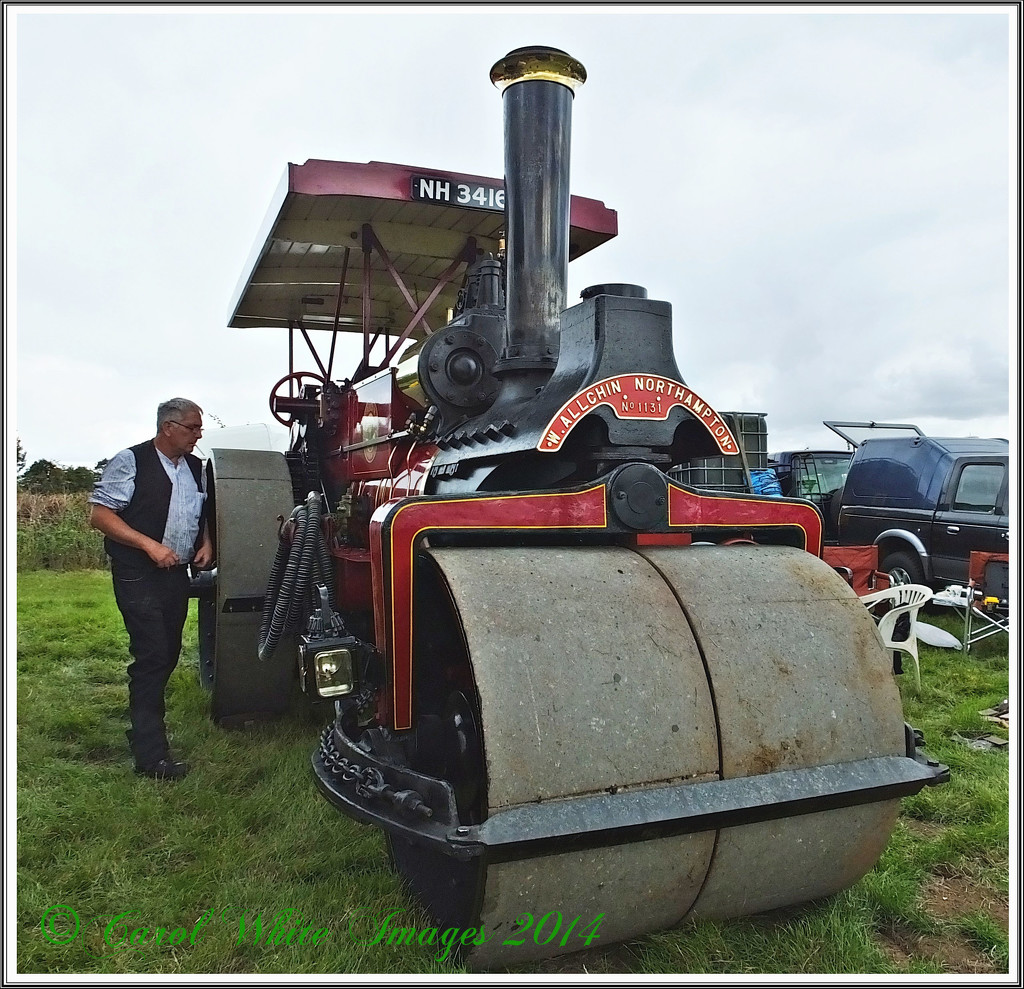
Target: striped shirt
(115,488)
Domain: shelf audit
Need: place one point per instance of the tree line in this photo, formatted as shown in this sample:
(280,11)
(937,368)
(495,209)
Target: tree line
(47,477)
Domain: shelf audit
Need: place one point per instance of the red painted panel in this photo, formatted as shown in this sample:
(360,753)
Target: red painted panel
(405,475)
(711,511)
(384,180)
(381,586)
(352,580)
(662,539)
(372,420)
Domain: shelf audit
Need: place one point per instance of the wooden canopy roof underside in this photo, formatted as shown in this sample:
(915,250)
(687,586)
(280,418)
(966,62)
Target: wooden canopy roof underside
(355,227)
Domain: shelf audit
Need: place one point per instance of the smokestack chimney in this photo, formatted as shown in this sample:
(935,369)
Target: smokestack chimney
(537,87)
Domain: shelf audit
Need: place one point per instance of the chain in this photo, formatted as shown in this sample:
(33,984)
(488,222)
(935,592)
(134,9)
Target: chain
(368,782)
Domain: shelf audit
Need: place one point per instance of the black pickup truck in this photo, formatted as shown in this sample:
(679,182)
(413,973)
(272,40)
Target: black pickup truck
(925,501)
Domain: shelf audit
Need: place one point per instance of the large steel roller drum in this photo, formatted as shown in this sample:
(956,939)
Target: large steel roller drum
(601,669)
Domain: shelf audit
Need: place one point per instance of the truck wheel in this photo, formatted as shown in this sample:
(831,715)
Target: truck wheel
(903,568)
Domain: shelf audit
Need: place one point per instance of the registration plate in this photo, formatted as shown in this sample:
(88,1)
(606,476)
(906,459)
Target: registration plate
(473,195)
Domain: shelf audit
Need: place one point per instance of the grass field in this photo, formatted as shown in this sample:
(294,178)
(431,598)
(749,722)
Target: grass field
(245,836)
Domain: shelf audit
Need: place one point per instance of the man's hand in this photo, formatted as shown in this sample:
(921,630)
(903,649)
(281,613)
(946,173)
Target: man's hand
(112,525)
(161,555)
(204,555)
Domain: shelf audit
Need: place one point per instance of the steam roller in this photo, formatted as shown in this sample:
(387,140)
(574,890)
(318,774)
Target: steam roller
(583,699)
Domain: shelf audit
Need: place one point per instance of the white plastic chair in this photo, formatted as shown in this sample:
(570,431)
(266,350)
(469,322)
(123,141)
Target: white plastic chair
(903,599)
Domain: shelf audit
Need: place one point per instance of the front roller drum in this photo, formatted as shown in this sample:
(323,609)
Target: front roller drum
(607,678)
(248,491)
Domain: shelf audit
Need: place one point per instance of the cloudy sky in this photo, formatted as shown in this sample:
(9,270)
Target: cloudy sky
(823,196)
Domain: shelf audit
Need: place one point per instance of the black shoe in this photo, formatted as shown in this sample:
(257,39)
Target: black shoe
(165,769)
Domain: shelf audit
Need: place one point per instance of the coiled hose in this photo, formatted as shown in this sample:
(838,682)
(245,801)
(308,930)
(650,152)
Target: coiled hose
(300,565)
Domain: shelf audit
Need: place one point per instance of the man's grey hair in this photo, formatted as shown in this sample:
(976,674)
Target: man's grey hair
(174,408)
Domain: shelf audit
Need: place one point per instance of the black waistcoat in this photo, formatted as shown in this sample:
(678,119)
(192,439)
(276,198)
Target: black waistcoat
(151,501)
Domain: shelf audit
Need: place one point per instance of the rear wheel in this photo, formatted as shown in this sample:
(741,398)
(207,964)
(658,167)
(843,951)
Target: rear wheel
(247,490)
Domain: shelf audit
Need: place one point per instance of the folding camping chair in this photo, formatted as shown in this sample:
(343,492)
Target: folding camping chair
(989,582)
(984,602)
(858,566)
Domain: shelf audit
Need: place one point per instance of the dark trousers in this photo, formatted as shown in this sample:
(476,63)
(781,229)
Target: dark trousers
(154,605)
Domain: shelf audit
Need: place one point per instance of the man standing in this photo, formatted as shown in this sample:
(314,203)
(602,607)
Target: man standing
(150,506)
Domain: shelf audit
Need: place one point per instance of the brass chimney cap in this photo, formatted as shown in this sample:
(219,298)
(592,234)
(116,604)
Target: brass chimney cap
(538,62)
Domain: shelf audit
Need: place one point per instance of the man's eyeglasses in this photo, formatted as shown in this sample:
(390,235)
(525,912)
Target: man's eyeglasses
(191,429)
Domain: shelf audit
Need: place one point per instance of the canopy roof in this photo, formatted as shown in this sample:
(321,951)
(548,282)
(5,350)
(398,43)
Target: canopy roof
(315,234)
